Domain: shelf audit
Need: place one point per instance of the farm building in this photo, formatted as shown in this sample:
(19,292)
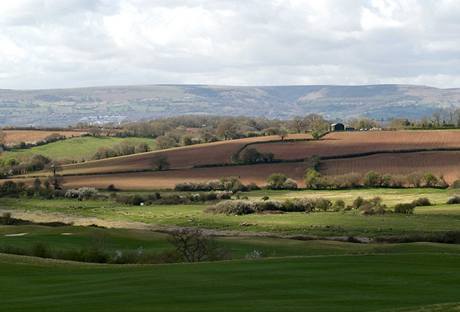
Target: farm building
(337,127)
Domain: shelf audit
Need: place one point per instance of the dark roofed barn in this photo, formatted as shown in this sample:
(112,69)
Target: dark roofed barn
(338,127)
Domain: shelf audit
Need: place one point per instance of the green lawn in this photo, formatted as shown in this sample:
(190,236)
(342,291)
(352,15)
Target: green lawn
(435,218)
(74,148)
(318,283)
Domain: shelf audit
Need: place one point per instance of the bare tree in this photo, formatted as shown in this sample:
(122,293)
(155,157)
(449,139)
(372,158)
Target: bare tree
(55,179)
(191,244)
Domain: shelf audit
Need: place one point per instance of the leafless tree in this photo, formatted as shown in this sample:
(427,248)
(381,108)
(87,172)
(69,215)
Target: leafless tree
(192,245)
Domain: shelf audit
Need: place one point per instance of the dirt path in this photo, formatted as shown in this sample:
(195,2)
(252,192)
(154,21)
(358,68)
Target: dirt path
(41,217)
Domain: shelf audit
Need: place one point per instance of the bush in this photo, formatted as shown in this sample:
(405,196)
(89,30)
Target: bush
(339,205)
(313,179)
(358,202)
(407,208)
(82,193)
(372,179)
(453,200)
(323,204)
(369,207)
(422,201)
(233,207)
(232,184)
(298,205)
(279,181)
(455,184)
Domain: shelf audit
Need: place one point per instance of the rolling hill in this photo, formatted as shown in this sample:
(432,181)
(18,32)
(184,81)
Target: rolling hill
(387,152)
(62,107)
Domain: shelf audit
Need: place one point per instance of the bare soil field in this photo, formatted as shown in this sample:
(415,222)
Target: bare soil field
(151,180)
(32,136)
(342,143)
(438,163)
(179,158)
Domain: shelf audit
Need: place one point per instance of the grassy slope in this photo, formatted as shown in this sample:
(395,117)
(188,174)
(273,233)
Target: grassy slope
(74,148)
(324,283)
(426,219)
(125,239)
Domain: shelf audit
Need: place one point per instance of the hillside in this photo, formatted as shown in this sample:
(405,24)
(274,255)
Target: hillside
(387,152)
(81,148)
(61,107)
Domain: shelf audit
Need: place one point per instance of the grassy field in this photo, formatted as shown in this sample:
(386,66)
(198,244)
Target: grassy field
(291,275)
(74,148)
(112,240)
(318,283)
(436,218)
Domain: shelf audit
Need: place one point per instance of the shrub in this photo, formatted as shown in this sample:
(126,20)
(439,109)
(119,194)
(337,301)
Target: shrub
(372,179)
(407,208)
(299,205)
(279,181)
(358,202)
(454,200)
(430,180)
(82,193)
(313,179)
(338,205)
(422,201)
(455,184)
(369,207)
(233,207)
(414,179)
(232,184)
(323,204)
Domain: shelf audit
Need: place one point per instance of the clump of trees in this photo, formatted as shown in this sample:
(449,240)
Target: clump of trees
(82,193)
(232,184)
(12,166)
(243,207)
(279,181)
(171,199)
(121,149)
(314,180)
(253,156)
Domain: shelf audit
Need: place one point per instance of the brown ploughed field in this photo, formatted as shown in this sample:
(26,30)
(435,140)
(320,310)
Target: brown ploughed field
(179,158)
(32,136)
(446,164)
(121,171)
(343,143)
(151,180)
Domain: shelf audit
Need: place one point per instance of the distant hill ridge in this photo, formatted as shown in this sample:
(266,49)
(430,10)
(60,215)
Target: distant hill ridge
(62,107)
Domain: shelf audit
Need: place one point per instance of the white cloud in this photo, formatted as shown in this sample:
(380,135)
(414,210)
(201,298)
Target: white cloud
(67,43)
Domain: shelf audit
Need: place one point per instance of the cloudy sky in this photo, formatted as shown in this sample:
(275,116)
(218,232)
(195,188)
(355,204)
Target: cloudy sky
(73,43)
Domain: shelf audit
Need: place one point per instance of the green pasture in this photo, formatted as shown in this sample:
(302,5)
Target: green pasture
(437,218)
(79,148)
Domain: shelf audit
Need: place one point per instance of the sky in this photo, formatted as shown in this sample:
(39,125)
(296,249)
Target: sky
(77,43)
